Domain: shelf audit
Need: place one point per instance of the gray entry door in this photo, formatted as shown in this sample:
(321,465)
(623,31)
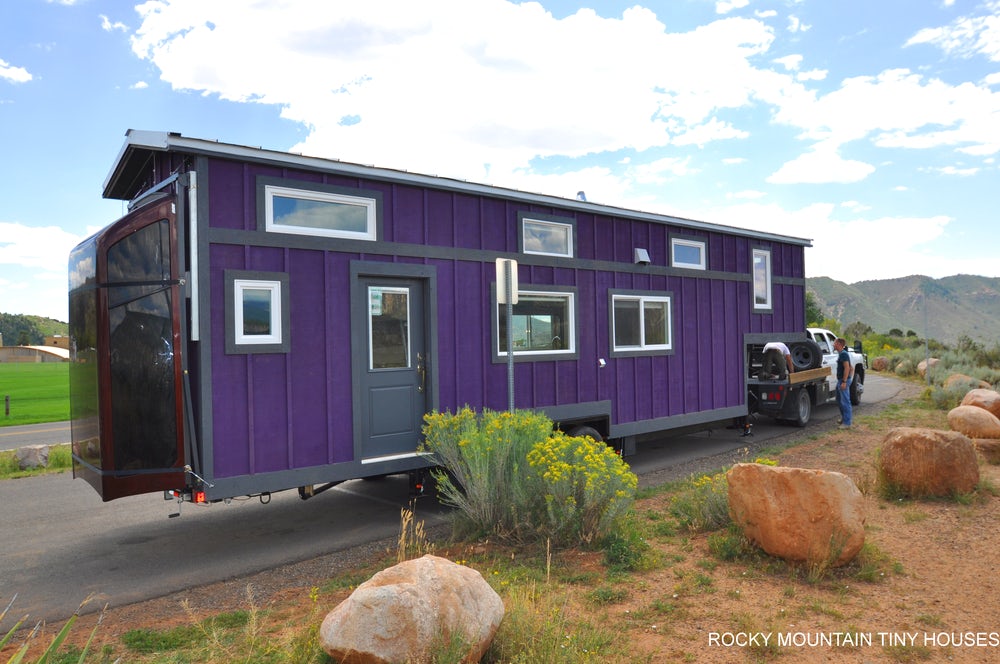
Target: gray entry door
(394,380)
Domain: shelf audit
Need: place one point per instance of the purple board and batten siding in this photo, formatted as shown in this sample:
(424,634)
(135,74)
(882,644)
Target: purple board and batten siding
(279,412)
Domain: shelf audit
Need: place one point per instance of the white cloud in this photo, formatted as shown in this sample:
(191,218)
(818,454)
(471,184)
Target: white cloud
(954,170)
(108,26)
(726,6)
(35,246)
(795,24)
(966,36)
(13,74)
(790,62)
(477,90)
(822,163)
(140,85)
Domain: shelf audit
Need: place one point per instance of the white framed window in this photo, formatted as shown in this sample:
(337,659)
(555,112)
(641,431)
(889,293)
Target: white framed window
(687,253)
(761,274)
(546,237)
(641,323)
(323,213)
(258,312)
(543,323)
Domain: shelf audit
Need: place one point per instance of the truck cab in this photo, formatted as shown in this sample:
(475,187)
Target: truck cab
(824,339)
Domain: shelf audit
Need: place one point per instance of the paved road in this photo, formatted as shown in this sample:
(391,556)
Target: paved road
(59,542)
(51,433)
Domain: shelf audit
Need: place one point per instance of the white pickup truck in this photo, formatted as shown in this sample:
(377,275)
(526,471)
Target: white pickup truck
(792,396)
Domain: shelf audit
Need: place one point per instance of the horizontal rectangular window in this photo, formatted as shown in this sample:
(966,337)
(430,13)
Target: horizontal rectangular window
(641,323)
(542,323)
(687,253)
(308,212)
(546,237)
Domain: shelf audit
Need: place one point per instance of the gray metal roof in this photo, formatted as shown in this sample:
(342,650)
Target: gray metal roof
(131,169)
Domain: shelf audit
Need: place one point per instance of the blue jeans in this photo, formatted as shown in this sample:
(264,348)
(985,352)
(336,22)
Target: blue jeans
(844,401)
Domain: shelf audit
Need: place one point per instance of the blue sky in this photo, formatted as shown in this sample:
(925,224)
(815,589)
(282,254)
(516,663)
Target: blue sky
(872,128)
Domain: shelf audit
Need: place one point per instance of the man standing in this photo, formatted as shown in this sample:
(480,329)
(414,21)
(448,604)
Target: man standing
(843,383)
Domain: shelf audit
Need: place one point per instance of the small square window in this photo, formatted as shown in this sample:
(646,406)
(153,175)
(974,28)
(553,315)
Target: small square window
(761,279)
(256,312)
(641,323)
(546,237)
(687,253)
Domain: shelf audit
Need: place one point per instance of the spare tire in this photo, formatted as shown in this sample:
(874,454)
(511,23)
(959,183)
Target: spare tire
(805,355)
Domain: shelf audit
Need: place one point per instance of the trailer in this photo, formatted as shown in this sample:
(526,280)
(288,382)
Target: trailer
(261,321)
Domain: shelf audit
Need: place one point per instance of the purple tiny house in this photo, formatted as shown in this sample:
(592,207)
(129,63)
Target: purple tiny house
(261,320)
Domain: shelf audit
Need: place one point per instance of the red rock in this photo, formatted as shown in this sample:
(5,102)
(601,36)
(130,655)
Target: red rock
(987,399)
(928,462)
(974,422)
(798,514)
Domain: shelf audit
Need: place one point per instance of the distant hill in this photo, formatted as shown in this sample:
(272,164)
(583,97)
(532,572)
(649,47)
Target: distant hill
(21,330)
(955,306)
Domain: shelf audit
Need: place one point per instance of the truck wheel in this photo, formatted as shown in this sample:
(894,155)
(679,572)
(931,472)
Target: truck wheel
(580,431)
(857,388)
(805,354)
(803,408)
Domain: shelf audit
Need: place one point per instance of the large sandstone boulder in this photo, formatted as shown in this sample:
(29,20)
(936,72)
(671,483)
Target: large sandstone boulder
(927,364)
(961,380)
(798,514)
(974,422)
(928,462)
(989,448)
(880,363)
(404,612)
(987,399)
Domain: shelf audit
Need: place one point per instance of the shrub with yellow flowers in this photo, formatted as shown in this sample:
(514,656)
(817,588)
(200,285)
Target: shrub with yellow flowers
(585,488)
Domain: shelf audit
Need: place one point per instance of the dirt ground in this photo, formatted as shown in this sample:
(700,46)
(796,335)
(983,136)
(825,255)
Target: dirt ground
(936,601)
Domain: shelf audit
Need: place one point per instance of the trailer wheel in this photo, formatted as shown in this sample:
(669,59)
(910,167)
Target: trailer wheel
(805,354)
(803,408)
(583,430)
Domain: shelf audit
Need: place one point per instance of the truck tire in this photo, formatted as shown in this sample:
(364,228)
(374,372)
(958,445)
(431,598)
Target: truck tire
(805,354)
(803,407)
(857,387)
(583,430)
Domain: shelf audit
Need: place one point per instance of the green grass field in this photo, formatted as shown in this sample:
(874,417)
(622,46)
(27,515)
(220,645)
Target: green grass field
(38,392)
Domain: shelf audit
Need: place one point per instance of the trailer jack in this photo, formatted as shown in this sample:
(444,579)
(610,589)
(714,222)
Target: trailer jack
(307,492)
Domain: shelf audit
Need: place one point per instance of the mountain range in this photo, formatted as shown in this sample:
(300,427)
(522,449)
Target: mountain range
(943,309)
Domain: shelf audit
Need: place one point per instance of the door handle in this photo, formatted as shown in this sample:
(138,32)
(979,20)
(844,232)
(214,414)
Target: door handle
(421,371)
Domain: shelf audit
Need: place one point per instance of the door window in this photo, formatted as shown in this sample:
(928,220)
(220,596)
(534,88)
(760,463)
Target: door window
(388,328)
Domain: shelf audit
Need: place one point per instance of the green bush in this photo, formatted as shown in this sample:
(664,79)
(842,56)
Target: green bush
(509,475)
(484,461)
(703,505)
